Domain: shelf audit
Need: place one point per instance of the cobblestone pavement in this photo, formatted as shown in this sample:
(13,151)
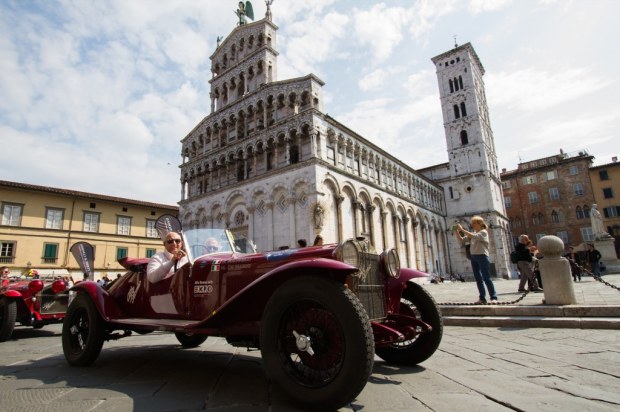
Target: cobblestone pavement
(475,369)
(588,292)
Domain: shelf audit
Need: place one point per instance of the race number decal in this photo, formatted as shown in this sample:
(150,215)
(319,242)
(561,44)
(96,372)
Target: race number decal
(203,287)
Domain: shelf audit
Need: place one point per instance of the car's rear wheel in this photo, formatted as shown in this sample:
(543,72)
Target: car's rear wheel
(83,332)
(8,313)
(416,302)
(317,343)
(190,340)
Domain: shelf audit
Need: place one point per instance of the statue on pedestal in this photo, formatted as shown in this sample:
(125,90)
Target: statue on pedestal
(598,230)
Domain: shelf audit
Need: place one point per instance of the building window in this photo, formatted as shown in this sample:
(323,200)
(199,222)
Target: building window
(53,218)
(11,214)
(270,159)
(151,231)
(91,222)
(573,170)
(612,211)
(150,252)
(586,234)
(586,211)
(123,225)
(463,111)
(506,184)
(551,175)
(508,202)
(457,113)
(464,138)
(563,234)
(578,189)
(7,252)
(603,175)
(555,217)
(535,220)
(533,197)
(331,154)
(579,212)
(554,193)
(608,193)
(539,236)
(121,252)
(528,180)
(50,252)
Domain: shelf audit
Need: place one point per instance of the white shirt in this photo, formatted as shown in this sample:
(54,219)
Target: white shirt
(161,266)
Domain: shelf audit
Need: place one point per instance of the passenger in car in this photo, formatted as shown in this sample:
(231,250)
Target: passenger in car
(162,265)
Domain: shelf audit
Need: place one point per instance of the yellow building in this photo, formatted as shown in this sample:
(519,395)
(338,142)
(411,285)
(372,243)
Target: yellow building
(40,224)
(606,187)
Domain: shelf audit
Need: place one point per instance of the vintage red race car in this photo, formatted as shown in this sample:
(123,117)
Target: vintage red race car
(318,314)
(31,302)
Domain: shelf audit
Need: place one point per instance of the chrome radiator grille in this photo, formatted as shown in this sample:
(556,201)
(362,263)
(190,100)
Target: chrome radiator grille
(369,287)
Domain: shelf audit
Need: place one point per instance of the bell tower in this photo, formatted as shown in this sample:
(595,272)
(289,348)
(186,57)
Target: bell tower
(471,179)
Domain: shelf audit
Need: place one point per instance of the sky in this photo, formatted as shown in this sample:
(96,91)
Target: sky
(95,96)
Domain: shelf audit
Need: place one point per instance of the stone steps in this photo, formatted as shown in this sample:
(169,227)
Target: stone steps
(539,316)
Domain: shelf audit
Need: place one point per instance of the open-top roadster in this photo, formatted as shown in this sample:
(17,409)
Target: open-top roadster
(318,314)
(31,302)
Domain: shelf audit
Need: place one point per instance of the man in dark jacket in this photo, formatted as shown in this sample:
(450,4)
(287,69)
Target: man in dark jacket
(524,263)
(593,256)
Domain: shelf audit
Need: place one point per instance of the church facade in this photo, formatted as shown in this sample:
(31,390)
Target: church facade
(267,162)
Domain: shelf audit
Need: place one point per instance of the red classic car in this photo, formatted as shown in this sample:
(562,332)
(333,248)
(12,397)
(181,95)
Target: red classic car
(31,302)
(318,314)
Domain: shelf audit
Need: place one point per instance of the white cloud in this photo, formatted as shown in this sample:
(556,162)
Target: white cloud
(481,6)
(534,90)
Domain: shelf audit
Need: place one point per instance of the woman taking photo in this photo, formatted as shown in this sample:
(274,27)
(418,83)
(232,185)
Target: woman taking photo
(480,264)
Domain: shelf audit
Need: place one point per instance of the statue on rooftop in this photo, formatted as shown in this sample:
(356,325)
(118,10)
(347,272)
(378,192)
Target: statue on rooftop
(243,11)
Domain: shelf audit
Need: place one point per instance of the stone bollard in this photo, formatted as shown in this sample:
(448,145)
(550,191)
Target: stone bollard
(555,272)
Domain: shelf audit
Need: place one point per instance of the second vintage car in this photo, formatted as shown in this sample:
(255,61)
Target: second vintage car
(318,314)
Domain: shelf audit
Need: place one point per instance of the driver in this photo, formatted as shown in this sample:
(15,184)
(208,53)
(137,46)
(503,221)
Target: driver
(163,264)
(212,245)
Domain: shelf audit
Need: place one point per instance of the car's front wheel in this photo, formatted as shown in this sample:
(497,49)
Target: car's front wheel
(317,342)
(190,340)
(416,302)
(83,332)
(8,313)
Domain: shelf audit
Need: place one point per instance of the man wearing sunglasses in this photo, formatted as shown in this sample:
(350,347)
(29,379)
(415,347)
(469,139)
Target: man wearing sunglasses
(163,264)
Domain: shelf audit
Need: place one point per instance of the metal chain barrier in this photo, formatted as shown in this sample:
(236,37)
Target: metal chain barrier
(596,277)
(519,299)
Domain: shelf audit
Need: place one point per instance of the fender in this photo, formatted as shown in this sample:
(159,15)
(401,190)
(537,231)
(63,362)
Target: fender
(395,287)
(105,304)
(253,298)
(12,294)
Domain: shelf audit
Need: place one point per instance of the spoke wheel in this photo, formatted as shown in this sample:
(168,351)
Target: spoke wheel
(190,340)
(317,343)
(8,313)
(416,302)
(83,332)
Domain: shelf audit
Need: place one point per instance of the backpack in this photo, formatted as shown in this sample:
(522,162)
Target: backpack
(513,256)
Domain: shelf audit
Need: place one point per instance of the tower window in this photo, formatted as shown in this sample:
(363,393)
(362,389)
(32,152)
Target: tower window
(451,86)
(460,82)
(457,113)
(463,111)
(464,138)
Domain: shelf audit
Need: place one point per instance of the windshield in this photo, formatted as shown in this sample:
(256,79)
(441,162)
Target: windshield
(205,241)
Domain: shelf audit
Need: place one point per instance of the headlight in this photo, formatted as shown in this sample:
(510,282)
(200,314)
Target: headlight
(391,263)
(349,253)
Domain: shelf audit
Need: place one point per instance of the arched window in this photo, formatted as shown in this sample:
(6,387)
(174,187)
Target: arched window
(460,82)
(451,86)
(579,212)
(464,139)
(541,218)
(457,114)
(586,212)
(463,111)
(555,217)
(535,220)
(456,84)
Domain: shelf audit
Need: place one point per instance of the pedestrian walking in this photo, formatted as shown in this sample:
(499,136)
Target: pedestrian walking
(593,257)
(575,262)
(524,264)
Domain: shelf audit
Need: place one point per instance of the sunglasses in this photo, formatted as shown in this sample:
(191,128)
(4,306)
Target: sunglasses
(211,248)
(171,241)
